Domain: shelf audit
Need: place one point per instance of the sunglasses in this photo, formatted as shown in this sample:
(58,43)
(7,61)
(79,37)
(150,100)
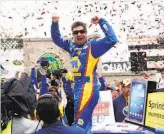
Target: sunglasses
(81,31)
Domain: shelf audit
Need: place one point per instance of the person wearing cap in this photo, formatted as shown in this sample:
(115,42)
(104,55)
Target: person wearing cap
(120,103)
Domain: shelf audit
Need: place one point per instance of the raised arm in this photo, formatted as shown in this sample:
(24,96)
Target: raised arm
(34,82)
(44,87)
(101,46)
(103,84)
(56,36)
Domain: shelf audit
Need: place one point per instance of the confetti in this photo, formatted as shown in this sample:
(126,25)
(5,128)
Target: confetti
(130,19)
(43,13)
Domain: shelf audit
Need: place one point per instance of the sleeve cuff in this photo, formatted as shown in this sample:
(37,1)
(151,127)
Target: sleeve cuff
(101,21)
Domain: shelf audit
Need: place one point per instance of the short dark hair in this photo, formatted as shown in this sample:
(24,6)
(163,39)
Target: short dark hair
(79,23)
(47,108)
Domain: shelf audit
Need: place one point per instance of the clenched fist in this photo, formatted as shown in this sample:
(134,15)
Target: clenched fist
(95,20)
(55,18)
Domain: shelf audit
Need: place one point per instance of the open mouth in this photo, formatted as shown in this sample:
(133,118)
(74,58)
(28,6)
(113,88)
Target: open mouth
(79,39)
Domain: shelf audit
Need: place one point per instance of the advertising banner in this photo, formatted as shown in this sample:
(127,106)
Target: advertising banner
(103,113)
(155,110)
(116,67)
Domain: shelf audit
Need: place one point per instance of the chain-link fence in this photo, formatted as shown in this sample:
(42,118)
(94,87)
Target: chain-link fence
(11,43)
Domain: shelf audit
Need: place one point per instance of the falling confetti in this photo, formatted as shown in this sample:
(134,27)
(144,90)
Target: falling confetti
(130,19)
(43,13)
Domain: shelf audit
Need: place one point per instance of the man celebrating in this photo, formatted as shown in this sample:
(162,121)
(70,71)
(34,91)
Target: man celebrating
(84,58)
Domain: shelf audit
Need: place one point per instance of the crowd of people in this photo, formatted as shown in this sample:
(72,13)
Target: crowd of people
(60,101)
(49,104)
(84,58)
(32,105)
(27,102)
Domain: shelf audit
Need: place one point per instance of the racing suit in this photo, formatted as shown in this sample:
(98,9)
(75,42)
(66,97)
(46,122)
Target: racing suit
(84,59)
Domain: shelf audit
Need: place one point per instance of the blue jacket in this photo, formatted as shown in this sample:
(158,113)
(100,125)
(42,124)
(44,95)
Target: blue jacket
(67,87)
(99,47)
(119,105)
(84,58)
(33,79)
(59,128)
(44,88)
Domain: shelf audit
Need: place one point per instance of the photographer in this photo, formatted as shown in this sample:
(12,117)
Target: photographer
(17,101)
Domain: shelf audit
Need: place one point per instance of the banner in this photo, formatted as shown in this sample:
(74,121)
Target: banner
(54,61)
(103,113)
(116,67)
(155,110)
